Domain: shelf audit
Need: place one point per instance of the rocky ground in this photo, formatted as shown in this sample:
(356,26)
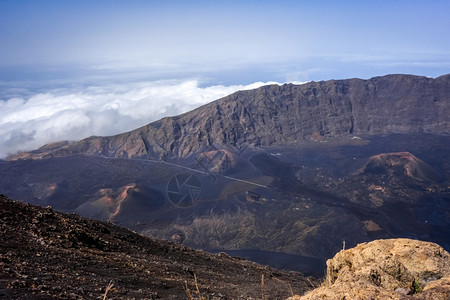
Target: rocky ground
(46,254)
(387,269)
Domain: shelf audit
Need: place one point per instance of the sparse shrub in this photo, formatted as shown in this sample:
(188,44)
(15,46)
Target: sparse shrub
(416,287)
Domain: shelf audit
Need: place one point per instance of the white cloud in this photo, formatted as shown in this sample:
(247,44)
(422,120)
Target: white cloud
(72,114)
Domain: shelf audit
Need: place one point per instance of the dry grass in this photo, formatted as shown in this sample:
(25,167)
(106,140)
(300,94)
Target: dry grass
(263,292)
(186,290)
(108,287)
(197,290)
(190,294)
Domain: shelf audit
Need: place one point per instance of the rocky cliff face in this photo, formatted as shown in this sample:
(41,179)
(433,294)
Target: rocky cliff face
(387,269)
(284,114)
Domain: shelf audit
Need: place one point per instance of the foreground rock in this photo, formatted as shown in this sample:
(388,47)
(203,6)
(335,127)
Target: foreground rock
(387,269)
(50,255)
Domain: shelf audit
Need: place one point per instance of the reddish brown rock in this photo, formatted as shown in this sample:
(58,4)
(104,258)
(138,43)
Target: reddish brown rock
(400,163)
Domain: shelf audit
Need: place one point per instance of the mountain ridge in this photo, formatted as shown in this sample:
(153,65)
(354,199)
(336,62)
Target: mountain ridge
(287,114)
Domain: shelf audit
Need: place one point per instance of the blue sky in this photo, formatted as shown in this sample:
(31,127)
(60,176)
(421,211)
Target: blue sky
(303,40)
(61,51)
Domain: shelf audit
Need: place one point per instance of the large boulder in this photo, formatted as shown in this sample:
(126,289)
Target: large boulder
(387,269)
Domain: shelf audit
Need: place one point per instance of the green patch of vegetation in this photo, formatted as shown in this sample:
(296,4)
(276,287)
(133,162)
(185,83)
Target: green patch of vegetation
(416,287)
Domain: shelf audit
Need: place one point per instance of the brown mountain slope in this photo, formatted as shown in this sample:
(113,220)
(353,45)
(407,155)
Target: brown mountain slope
(45,254)
(285,114)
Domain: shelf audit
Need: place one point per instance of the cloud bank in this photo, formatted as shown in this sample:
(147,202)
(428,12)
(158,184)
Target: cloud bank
(29,122)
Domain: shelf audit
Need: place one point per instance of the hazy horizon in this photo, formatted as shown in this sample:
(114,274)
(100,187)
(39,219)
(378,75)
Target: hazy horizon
(71,69)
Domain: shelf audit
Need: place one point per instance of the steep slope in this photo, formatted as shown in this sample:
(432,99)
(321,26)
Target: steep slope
(387,269)
(285,114)
(45,254)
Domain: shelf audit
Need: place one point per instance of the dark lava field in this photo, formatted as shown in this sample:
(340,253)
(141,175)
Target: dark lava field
(306,200)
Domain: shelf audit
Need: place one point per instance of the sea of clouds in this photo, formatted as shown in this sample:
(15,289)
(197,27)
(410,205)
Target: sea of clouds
(73,113)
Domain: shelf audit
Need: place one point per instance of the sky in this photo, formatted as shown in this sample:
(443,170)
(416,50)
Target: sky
(72,69)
